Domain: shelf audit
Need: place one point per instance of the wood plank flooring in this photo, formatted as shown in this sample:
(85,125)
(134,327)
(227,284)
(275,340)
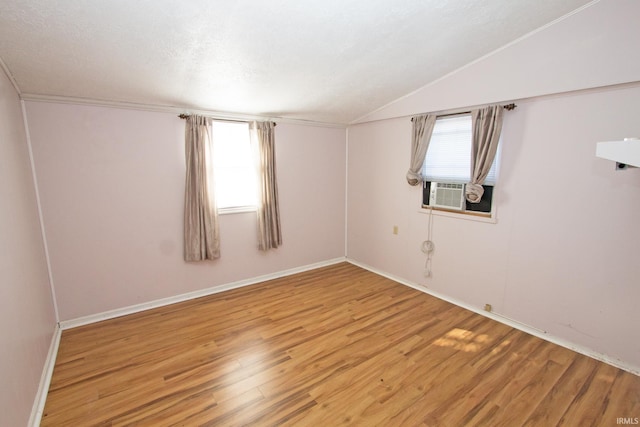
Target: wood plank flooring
(333,346)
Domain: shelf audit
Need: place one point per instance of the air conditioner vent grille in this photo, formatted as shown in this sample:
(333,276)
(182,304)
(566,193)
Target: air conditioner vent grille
(445,195)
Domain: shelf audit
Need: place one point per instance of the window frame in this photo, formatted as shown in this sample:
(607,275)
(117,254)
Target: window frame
(226,210)
(479,214)
(483,216)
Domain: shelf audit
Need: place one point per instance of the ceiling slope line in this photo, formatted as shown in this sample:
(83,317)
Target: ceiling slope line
(363,118)
(522,100)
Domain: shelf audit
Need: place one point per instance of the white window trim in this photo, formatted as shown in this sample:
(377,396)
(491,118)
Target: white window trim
(462,215)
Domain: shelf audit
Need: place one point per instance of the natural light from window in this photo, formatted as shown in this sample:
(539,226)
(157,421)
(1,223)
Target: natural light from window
(234,170)
(462,339)
(449,153)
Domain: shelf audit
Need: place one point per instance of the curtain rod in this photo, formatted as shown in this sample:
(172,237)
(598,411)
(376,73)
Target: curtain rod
(507,107)
(184,116)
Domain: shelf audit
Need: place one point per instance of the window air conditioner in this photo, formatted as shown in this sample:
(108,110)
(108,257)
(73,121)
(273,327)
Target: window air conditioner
(449,196)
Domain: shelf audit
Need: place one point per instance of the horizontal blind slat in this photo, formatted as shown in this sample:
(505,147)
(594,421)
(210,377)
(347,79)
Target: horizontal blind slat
(448,158)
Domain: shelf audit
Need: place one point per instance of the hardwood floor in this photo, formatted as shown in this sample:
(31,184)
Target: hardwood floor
(333,346)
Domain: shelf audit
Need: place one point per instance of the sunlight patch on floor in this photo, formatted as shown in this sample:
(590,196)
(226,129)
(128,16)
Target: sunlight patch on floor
(462,339)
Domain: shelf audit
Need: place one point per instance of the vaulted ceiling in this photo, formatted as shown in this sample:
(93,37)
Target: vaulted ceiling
(329,61)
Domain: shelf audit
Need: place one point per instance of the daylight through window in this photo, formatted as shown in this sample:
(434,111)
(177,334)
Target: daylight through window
(448,158)
(234,169)
(447,168)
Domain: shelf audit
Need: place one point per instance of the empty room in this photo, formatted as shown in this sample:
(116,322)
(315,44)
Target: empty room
(380,213)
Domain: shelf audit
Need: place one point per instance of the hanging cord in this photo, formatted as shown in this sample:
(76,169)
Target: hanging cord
(427,246)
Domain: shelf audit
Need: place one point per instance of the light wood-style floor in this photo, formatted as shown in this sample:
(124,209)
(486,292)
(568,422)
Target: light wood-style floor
(334,346)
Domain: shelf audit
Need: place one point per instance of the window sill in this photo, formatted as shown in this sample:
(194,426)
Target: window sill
(489,218)
(236,209)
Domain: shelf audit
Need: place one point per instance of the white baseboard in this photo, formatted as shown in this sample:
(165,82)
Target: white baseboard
(93,318)
(45,379)
(507,321)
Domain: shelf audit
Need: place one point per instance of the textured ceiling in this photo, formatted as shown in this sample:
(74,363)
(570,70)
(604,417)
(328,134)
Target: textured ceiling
(326,61)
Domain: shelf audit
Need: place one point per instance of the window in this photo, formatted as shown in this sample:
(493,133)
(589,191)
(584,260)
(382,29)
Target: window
(448,160)
(233,167)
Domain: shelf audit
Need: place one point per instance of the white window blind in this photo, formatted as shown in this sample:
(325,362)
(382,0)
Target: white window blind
(234,170)
(448,158)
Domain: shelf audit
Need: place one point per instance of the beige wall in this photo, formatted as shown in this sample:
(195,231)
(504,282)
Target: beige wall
(562,256)
(112,185)
(27,318)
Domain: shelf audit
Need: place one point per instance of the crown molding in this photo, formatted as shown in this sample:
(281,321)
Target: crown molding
(172,109)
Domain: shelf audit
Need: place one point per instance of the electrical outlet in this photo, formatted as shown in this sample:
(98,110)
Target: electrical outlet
(395,229)
(487,307)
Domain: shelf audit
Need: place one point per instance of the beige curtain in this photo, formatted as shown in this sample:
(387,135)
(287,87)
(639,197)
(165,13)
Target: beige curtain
(422,130)
(263,144)
(487,125)
(201,232)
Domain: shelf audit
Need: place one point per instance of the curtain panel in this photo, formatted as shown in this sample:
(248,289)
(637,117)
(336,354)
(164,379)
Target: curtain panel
(486,129)
(421,135)
(201,231)
(268,210)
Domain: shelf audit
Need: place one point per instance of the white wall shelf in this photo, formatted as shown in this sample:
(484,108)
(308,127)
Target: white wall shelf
(626,151)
